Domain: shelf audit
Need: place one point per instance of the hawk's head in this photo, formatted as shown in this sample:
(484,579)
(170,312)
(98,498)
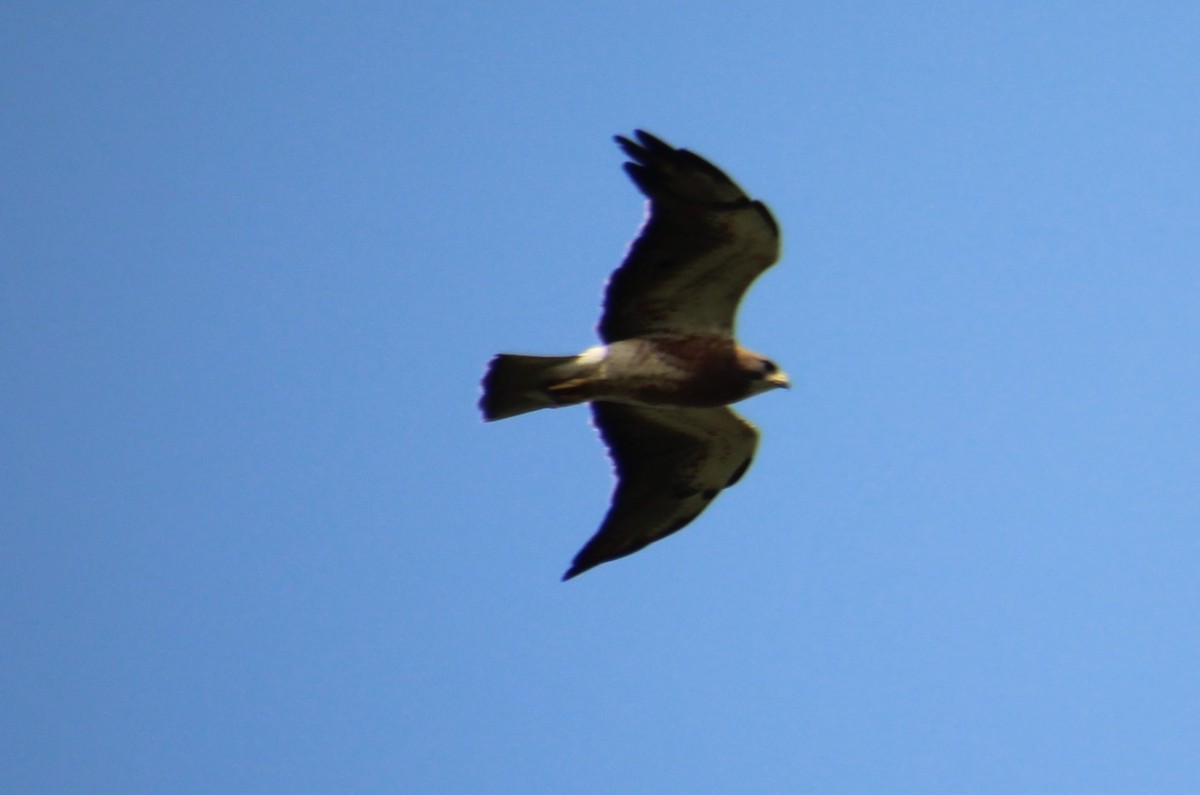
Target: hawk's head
(763,373)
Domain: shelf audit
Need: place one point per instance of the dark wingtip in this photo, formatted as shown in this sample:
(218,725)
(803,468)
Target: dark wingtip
(653,142)
(646,145)
(631,149)
(653,153)
(646,180)
(579,567)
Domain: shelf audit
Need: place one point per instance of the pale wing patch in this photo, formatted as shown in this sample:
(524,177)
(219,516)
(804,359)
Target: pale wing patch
(593,355)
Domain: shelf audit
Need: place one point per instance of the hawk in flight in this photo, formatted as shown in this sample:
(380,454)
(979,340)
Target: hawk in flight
(661,383)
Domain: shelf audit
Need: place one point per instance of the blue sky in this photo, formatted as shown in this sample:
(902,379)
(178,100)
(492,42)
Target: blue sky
(256,538)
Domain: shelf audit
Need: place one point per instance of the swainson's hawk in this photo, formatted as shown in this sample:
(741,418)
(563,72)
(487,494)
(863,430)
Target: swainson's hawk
(661,383)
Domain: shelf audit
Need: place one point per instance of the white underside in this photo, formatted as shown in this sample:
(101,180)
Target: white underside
(593,355)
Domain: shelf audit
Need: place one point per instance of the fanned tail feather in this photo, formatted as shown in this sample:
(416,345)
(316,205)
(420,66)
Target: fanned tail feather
(515,384)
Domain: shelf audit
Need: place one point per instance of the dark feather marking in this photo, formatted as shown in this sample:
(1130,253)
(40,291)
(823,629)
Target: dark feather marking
(701,164)
(636,171)
(708,494)
(680,524)
(654,145)
(649,147)
(644,178)
(737,473)
(766,216)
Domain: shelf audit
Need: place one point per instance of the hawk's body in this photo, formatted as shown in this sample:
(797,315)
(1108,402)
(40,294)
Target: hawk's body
(661,383)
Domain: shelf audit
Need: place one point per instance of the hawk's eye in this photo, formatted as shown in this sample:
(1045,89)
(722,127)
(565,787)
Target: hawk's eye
(769,366)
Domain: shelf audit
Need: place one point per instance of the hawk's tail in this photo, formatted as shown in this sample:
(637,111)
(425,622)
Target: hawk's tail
(515,384)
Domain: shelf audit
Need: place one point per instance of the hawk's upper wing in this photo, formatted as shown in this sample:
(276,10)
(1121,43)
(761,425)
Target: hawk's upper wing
(702,245)
(670,465)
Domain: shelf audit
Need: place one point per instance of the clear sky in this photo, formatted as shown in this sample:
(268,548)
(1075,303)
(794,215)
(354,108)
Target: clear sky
(256,538)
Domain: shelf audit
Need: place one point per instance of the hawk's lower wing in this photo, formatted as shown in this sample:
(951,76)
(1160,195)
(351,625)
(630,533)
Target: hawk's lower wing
(670,464)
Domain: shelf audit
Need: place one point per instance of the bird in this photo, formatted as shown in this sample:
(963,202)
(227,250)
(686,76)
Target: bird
(668,366)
